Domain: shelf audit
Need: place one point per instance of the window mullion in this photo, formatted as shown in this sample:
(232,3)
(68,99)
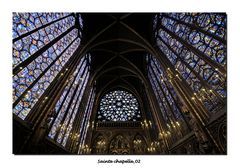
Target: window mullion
(159,97)
(80,86)
(169,106)
(40,76)
(18,68)
(195,51)
(66,110)
(194,27)
(41,27)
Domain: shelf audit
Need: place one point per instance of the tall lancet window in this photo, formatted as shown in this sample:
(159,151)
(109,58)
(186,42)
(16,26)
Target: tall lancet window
(119,105)
(67,107)
(85,122)
(168,100)
(42,45)
(195,44)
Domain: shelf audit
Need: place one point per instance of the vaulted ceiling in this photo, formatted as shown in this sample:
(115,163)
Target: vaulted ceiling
(117,43)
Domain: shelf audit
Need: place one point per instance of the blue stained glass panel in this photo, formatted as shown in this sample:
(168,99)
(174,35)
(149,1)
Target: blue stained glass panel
(27,46)
(38,89)
(68,105)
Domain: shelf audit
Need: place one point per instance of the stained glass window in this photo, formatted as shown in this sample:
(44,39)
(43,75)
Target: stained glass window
(164,92)
(68,104)
(86,118)
(119,105)
(30,73)
(26,22)
(25,46)
(215,24)
(169,103)
(36,62)
(195,43)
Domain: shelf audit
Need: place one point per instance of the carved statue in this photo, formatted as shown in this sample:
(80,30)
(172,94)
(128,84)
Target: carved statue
(204,146)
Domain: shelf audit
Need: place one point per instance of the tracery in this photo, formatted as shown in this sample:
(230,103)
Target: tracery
(119,105)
